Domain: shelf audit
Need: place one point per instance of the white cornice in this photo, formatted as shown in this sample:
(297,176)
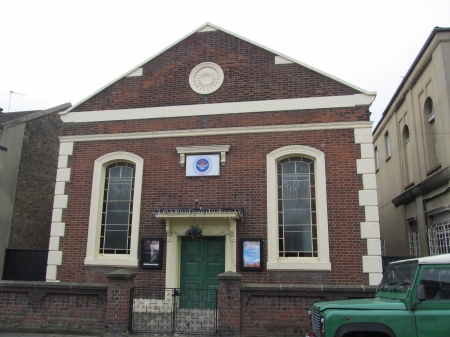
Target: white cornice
(219,108)
(211,27)
(217,131)
(203,149)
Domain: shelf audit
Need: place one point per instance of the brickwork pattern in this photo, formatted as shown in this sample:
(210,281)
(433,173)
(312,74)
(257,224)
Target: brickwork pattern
(284,313)
(27,305)
(250,75)
(229,305)
(32,215)
(242,183)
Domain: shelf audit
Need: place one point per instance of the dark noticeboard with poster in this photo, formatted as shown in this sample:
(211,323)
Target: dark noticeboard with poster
(151,253)
(251,251)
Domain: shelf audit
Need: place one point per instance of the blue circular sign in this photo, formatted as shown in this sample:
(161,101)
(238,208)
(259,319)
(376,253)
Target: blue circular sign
(202,165)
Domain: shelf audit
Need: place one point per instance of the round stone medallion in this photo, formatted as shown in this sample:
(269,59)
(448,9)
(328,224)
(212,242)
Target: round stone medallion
(206,78)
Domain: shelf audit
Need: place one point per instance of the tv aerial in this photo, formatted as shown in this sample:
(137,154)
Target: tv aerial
(12,92)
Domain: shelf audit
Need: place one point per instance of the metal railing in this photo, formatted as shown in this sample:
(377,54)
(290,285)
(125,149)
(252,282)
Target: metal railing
(187,311)
(25,264)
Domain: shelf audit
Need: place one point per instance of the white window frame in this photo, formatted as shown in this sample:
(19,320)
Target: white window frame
(274,262)
(93,257)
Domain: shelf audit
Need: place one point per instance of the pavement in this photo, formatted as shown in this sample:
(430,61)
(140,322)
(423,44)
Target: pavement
(32,334)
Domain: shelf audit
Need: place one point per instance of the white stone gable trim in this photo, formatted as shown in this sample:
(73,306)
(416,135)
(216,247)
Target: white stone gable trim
(136,73)
(211,27)
(310,103)
(370,229)
(282,60)
(218,131)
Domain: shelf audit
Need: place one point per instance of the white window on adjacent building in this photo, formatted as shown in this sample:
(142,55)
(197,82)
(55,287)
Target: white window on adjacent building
(439,231)
(115,210)
(413,238)
(297,219)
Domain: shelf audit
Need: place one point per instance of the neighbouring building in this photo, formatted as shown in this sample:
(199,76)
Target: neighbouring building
(219,132)
(411,145)
(29,148)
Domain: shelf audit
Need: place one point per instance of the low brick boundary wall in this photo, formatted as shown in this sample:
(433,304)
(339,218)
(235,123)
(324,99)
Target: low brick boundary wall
(282,310)
(103,309)
(50,307)
(274,309)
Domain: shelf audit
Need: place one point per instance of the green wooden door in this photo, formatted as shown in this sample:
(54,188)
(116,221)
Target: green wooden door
(202,259)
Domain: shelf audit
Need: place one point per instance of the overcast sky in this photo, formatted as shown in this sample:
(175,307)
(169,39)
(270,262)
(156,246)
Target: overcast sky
(58,51)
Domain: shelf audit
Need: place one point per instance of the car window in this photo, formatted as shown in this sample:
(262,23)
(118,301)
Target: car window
(437,283)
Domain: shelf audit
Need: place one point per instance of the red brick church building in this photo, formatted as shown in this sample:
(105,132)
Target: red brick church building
(256,149)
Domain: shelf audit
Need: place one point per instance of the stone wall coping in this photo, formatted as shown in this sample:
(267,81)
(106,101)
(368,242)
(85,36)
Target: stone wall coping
(121,274)
(308,287)
(230,276)
(80,286)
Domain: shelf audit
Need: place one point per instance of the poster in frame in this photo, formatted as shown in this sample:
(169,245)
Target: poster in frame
(151,253)
(251,252)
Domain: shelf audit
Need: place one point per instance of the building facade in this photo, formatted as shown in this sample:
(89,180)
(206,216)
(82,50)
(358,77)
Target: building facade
(29,147)
(271,158)
(412,156)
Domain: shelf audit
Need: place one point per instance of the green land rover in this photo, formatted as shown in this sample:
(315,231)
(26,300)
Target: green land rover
(413,299)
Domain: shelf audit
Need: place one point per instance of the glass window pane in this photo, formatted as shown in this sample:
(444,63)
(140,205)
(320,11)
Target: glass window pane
(127,172)
(117,212)
(296,186)
(289,168)
(297,212)
(114,172)
(302,167)
(116,237)
(117,205)
(298,241)
(294,204)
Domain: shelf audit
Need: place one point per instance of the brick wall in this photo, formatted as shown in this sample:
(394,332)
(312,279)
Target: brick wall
(46,307)
(274,310)
(30,228)
(250,75)
(242,183)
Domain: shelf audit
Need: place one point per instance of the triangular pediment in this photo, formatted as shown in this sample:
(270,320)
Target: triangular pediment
(193,40)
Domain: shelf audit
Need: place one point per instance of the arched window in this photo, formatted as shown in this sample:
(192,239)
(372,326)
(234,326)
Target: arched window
(115,210)
(407,156)
(377,160)
(387,143)
(297,218)
(297,225)
(430,134)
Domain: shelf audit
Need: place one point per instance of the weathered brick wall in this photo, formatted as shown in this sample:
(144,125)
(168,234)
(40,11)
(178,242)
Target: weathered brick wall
(30,228)
(250,75)
(52,306)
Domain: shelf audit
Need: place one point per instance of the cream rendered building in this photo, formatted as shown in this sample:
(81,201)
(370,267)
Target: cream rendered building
(412,154)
